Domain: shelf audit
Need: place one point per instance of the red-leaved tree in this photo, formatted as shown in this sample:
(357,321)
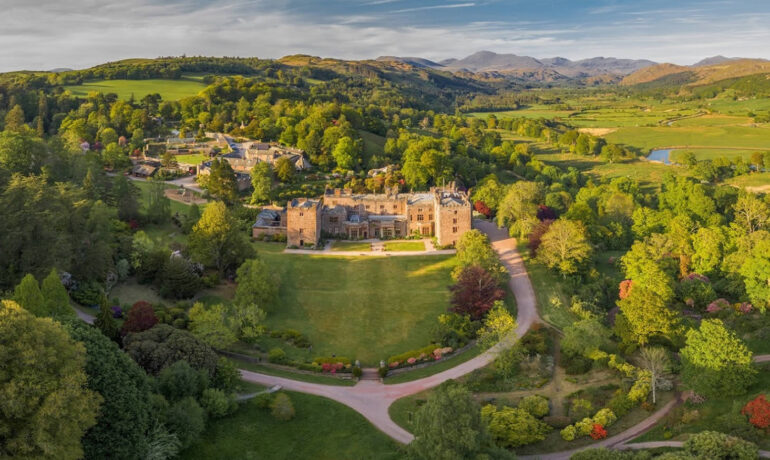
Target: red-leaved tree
(598,432)
(537,235)
(140,317)
(482,208)
(758,410)
(475,292)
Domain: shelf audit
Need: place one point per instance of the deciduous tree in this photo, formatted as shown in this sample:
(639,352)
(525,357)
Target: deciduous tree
(564,246)
(261,182)
(217,241)
(45,404)
(715,361)
(475,292)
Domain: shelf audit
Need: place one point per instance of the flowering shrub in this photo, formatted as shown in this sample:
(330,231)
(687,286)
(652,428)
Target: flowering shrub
(745,308)
(332,368)
(717,305)
(758,410)
(117,312)
(429,353)
(625,288)
(598,432)
(698,277)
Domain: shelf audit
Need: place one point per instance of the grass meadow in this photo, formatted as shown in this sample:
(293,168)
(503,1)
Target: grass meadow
(169,90)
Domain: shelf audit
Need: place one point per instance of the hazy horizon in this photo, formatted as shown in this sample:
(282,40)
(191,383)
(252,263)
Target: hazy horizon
(82,33)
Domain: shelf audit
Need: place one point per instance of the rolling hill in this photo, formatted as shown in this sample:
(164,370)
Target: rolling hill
(701,73)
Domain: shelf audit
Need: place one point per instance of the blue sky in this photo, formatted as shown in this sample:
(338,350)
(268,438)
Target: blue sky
(44,34)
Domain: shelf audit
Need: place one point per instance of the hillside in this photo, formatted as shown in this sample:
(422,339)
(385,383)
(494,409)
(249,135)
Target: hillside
(701,74)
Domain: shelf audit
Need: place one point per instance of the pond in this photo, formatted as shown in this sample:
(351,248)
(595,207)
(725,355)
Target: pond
(660,155)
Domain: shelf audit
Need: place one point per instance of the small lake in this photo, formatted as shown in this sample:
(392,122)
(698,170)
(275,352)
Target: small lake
(660,155)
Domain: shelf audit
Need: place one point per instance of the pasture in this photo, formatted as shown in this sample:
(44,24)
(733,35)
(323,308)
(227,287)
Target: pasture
(169,90)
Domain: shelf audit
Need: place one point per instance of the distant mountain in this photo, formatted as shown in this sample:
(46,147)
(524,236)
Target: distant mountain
(704,72)
(493,65)
(60,69)
(415,61)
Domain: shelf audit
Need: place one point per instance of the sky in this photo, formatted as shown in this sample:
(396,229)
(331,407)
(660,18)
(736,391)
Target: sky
(48,34)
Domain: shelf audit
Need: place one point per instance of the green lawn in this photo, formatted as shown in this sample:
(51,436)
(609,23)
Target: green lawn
(192,158)
(552,302)
(374,144)
(397,246)
(130,292)
(322,429)
(360,307)
(169,90)
(351,246)
(176,206)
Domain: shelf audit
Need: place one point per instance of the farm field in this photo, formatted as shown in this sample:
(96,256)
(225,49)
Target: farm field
(360,307)
(169,90)
(648,138)
(321,429)
(755,182)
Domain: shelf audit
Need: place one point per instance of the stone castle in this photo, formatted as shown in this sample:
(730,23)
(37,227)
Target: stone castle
(443,212)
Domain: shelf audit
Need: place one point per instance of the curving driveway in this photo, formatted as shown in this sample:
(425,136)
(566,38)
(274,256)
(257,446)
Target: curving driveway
(372,398)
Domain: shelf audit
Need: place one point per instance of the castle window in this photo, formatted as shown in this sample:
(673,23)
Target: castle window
(300,231)
(454,221)
(454,229)
(382,206)
(301,214)
(455,211)
(420,217)
(333,220)
(430,216)
(411,218)
(395,206)
(367,206)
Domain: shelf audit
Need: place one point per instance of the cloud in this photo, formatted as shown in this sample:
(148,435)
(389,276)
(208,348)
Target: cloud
(436,7)
(82,33)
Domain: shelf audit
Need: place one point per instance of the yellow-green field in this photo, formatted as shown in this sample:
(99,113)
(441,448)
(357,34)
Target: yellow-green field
(169,90)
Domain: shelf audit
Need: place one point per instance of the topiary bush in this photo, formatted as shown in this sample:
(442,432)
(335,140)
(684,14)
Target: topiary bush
(569,433)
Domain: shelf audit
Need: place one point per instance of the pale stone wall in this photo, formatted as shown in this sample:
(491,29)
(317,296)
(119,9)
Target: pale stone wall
(303,223)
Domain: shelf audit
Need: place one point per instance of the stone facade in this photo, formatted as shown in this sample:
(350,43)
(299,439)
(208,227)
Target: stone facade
(442,212)
(303,222)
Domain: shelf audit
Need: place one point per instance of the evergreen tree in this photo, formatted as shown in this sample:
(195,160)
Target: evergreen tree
(56,301)
(27,294)
(106,322)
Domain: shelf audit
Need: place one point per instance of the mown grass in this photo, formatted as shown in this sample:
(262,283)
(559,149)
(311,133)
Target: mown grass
(321,429)
(169,90)
(401,246)
(192,158)
(648,138)
(552,302)
(351,246)
(374,144)
(751,181)
(360,307)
